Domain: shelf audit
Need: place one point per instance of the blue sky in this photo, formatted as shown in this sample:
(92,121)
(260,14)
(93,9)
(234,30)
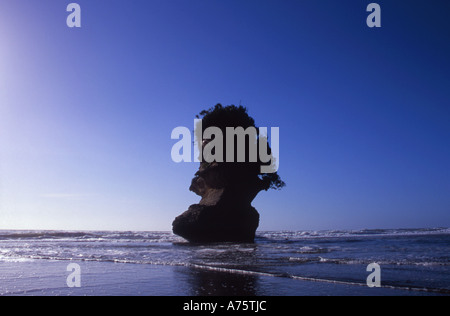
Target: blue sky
(86,114)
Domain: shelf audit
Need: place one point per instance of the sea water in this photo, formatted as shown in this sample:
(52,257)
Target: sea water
(412,260)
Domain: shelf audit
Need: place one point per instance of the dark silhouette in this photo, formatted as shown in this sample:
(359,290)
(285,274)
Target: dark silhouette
(227,188)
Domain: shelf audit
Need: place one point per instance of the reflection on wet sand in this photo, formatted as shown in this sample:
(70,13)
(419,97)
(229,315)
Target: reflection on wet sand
(206,282)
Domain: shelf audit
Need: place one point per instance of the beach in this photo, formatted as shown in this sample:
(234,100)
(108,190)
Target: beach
(326,263)
(48,278)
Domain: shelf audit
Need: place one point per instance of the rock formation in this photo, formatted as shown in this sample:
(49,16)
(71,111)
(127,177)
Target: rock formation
(225,213)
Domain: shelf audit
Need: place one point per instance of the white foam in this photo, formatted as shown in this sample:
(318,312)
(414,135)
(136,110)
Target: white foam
(7,259)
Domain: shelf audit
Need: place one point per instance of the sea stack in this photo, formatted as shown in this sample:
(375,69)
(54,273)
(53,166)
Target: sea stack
(227,189)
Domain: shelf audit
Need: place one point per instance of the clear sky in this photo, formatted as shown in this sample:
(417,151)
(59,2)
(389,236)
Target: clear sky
(86,113)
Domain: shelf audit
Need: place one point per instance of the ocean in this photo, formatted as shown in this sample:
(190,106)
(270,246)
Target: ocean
(411,262)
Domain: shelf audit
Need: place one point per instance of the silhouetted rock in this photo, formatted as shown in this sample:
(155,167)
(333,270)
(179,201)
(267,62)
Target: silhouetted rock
(227,189)
(224,212)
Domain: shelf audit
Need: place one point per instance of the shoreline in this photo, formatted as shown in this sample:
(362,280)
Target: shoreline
(41,277)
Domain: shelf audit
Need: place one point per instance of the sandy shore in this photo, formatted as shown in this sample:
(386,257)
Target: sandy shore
(49,278)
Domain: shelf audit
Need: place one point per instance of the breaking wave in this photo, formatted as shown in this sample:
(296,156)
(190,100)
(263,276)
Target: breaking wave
(415,259)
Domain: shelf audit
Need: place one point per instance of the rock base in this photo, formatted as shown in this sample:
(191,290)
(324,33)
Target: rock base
(216,223)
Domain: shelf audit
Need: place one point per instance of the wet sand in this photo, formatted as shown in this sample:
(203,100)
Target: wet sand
(49,278)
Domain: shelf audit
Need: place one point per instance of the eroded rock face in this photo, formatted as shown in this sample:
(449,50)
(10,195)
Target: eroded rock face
(225,213)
